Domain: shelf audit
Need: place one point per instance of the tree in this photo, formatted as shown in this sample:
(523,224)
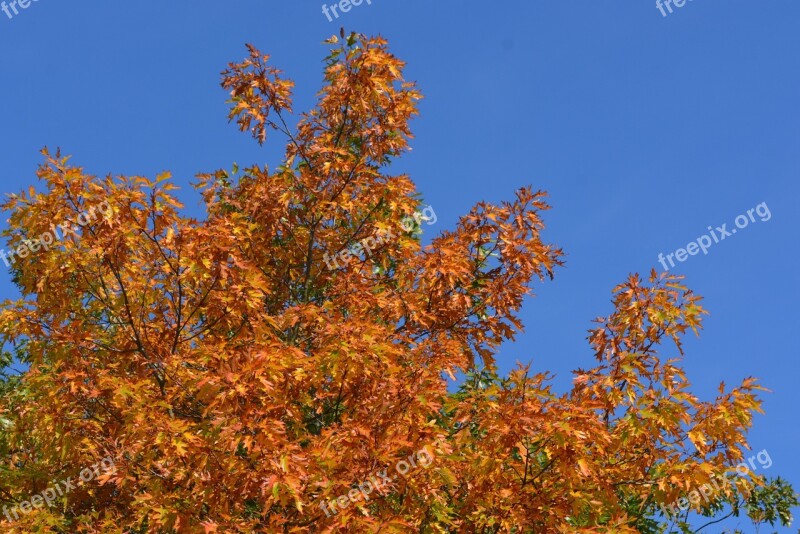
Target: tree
(237,379)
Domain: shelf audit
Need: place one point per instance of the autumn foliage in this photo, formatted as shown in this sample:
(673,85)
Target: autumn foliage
(238,382)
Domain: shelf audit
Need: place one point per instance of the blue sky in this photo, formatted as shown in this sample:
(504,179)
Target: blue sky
(644,129)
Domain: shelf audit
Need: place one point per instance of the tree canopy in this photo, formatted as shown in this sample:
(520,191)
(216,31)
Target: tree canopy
(233,380)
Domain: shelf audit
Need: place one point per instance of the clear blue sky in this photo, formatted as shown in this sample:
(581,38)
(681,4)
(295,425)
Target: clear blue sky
(645,130)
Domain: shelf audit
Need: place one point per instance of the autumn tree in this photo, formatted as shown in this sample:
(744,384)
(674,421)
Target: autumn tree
(242,383)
